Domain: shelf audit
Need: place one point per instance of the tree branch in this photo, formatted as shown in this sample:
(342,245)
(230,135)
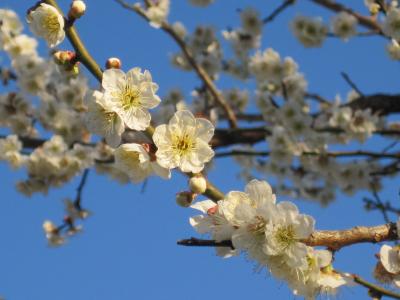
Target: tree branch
(278,10)
(332,239)
(363,20)
(165,26)
(376,290)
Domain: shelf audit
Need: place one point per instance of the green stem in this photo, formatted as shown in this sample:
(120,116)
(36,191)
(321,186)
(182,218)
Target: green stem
(82,54)
(375,288)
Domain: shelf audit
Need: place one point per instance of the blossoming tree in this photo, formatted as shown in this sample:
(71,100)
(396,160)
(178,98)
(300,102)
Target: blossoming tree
(56,126)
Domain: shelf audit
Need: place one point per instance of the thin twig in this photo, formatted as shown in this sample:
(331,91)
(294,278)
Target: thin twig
(277,11)
(79,190)
(347,78)
(218,97)
(371,205)
(374,287)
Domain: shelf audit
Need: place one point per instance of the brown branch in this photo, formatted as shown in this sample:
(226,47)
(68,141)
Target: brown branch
(79,189)
(381,104)
(365,21)
(337,239)
(326,154)
(166,27)
(227,137)
(204,243)
(332,239)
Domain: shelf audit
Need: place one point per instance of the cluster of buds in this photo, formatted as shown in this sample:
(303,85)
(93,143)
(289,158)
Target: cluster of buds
(68,61)
(197,185)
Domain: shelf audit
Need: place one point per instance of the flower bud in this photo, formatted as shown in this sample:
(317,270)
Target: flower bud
(77,9)
(113,63)
(63,57)
(49,227)
(198,184)
(184,199)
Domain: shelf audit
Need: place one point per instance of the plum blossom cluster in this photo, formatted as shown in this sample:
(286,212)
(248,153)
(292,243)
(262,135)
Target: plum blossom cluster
(387,270)
(48,95)
(272,235)
(311,32)
(58,235)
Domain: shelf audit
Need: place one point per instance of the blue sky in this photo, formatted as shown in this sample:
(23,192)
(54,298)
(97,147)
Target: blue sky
(128,249)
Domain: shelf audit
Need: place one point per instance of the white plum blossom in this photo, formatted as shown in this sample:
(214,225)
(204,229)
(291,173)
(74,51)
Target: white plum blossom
(45,21)
(393,49)
(391,26)
(131,95)
(344,25)
(390,260)
(21,45)
(137,163)
(272,235)
(284,231)
(10,150)
(215,221)
(267,66)
(158,12)
(251,22)
(103,120)
(250,216)
(10,26)
(310,32)
(183,143)
(53,236)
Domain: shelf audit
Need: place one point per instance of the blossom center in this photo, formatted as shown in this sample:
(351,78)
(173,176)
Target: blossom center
(285,236)
(130,158)
(51,22)
(130,97)
(183,144)
(258,226)
(110,116)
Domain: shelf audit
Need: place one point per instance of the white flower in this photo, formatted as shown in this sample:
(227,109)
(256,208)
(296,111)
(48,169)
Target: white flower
(10,25)
(21,45)
(214,222)
(103,120)
(10,149)
(344,25)
(391,26)
(393,50)
(136,162)
(284,231)
(390,258)
(251,21)
(310,32)
(52,234)
(268,66)
(158,12)
(251,212)
(184,142)
(45,21)
(131,95)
